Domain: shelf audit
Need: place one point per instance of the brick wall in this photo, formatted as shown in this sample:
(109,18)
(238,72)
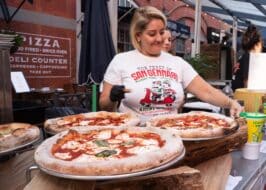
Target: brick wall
(47,56)
(185,13)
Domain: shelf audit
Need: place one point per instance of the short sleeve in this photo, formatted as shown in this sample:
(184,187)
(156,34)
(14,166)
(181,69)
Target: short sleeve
(188,73)
(113,73)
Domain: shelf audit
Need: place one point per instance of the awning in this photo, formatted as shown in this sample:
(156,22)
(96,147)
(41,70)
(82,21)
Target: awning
(179,30)
(245,11)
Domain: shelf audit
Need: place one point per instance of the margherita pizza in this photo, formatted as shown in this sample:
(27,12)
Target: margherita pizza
(98,151)
(196,124)
(13,135)
(101,118)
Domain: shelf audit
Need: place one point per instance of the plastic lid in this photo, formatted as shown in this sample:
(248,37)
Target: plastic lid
(252,115)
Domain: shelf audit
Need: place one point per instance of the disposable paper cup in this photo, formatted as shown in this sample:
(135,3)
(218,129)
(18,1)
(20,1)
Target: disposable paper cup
(251,151)
(255,123)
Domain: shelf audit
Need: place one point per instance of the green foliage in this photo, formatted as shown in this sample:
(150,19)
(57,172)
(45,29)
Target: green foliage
(202,64)
(18,40)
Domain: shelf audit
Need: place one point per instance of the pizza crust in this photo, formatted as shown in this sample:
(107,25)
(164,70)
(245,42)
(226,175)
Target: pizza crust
(199,132)
(172,149)
(51,125)
(19,134)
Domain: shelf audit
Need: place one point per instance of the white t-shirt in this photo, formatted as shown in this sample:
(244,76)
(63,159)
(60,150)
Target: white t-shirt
(156,83)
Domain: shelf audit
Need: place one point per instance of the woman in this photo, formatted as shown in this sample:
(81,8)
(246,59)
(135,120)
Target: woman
(167,43)
(154,79)
(251,43)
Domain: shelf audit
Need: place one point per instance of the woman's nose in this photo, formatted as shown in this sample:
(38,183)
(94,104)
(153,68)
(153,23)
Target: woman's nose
(159,38)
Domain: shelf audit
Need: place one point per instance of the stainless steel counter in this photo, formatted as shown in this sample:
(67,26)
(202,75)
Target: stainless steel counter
(252,171)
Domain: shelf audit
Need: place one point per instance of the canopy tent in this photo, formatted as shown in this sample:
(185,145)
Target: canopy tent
(238,13)
(245,11)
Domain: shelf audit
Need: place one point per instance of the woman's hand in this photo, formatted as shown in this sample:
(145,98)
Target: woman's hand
(235,108)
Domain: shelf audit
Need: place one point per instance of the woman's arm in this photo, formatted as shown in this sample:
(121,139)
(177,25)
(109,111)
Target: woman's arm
(207,93)
(105,102)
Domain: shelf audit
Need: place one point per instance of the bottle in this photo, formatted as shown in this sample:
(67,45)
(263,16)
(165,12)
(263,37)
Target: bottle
(227,90)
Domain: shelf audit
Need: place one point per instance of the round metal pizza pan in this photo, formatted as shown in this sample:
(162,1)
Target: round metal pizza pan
(49,133)
(208,138)
(12,150)
(119,176)
(202,139)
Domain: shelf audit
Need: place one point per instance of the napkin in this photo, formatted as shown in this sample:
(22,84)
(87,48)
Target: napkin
(232,182)
(263,147)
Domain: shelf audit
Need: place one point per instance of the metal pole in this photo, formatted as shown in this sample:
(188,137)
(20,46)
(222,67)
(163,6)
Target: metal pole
(113,15)
(234,39)
(79,18)
(197,28)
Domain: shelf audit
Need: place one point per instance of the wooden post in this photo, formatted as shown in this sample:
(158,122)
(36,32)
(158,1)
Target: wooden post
(6,108)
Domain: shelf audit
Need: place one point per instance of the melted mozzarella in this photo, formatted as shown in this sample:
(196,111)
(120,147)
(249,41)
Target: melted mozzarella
(62,122)
(193,123)
(123,136)
(149,142)
(114,141)
(71,145)
(142,149)
(62,156)
(106,121)
(84,123)
(105,134)
(179,123)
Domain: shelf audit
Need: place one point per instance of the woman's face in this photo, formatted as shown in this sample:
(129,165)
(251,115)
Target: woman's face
(151,39)
(258,47)
(167,43)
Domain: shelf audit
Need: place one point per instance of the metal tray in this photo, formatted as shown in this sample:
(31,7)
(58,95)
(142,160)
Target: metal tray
(13,150)
(119,176)
(202,138)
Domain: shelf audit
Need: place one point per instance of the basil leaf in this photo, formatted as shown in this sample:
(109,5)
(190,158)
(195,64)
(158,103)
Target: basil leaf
(101,143)
(127,143)
(106,153)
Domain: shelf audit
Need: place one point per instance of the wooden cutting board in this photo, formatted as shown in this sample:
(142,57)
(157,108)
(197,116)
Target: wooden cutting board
(212,174)
(215,172)
(44,181)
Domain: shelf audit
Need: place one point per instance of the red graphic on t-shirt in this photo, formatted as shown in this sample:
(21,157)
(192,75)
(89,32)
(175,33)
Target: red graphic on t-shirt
(140,75)
(159,93)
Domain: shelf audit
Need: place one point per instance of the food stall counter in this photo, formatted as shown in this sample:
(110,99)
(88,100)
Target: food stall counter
(252,171)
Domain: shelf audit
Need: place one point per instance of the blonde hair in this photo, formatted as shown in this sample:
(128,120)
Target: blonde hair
(141,19)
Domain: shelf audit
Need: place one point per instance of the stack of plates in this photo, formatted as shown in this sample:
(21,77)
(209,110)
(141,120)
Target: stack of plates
(5,40)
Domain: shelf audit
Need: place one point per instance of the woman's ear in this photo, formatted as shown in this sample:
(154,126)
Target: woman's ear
(138,37)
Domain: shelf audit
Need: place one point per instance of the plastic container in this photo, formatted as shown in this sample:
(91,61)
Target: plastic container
(255,124)
(251,151)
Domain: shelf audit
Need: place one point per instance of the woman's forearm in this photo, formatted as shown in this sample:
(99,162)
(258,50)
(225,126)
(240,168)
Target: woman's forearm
(107,105)
(209,94)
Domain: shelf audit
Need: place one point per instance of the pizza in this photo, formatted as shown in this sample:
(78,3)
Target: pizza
(101,118)
(98,151)
(13,135)
(196,124)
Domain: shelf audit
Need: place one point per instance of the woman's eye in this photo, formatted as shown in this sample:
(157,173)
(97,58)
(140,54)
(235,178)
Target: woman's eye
(151,34)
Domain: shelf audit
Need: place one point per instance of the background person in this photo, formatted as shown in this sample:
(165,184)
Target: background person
(167,43)
(251,43)
(156,79)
